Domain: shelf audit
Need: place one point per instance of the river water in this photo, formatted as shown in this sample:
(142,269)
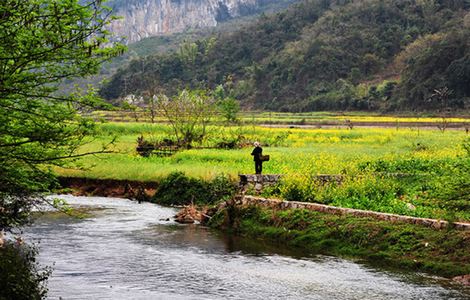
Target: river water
(128,250)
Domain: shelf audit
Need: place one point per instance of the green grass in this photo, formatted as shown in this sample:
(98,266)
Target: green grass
(292,150)
(300,154)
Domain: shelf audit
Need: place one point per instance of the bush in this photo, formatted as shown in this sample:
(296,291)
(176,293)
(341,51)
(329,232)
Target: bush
(145,148)
(178,189)
(19,273)
(221,188)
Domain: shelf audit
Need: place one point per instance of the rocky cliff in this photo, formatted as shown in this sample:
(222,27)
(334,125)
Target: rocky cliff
(145,18)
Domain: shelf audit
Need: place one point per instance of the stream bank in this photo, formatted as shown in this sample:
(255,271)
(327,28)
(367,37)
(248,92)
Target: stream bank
(440,251)
(107,187)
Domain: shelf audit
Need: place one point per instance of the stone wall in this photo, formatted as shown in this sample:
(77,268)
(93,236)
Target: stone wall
(256,182)
(279,204)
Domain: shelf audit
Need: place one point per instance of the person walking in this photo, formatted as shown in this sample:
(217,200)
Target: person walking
(257,153)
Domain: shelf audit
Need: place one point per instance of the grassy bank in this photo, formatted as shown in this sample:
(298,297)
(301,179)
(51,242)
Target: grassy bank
(441,252)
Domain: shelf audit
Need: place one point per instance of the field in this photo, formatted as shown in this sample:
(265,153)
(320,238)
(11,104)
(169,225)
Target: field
(401,170)
(309,118)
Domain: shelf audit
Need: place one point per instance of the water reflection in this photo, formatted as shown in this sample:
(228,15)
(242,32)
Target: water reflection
(128,251)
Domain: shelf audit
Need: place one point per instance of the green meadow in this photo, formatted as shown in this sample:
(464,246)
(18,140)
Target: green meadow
(409,171)
(292,150)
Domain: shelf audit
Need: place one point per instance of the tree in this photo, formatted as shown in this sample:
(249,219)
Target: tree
(189,114)
(228,106)
(441,96)
(152,107)
(150,99)
(43,42)
(188,52)
(21,276)
(442,64)
(131,104)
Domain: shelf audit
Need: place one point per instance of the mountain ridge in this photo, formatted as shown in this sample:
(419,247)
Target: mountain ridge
(147,18)
(326,55)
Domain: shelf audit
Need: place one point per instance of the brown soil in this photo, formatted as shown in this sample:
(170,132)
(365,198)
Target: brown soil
(109,187)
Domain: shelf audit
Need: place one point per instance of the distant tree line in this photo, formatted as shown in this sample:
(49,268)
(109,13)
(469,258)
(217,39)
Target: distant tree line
(324,55)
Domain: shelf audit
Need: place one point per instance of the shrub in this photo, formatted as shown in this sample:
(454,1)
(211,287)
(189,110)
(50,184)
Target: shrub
(221,188)
(144,147)
(178,189)
(164,147)
(20,275)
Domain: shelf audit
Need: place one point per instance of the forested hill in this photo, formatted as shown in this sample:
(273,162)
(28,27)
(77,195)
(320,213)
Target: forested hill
(326,55)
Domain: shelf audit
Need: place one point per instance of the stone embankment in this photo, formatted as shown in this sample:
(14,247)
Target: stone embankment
(280,204)
(256,182)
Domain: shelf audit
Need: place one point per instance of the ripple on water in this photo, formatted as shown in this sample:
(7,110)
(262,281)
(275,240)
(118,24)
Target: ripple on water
(127,252)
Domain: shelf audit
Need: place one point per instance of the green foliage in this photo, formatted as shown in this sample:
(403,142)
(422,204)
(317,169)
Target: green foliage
(229,108)
(361,191)
(178,189)
(454,193)
(188,52)
(42,43)
(227,105)
(369,193)
(301,59)
(417,187)
(20,275)
(387,169)
(466,146)
(444,63)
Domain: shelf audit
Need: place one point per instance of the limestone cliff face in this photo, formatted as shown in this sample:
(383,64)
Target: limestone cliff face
(145,18)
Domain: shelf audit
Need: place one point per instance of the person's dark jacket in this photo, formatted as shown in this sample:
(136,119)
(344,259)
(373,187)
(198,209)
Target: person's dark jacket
(257,152)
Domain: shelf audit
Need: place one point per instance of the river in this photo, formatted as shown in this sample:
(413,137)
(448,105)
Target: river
(127,250)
